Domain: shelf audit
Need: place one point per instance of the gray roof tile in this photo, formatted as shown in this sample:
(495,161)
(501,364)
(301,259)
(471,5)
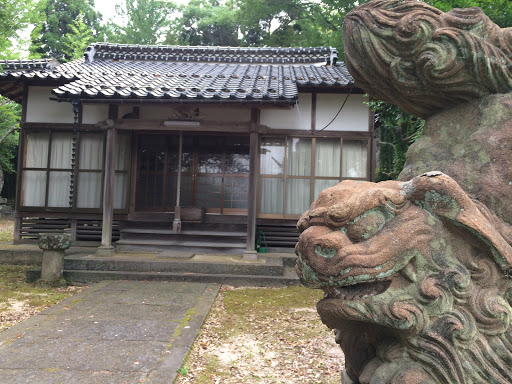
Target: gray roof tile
(208,73)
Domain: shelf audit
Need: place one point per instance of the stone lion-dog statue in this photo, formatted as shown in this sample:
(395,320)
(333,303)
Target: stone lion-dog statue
(416,278)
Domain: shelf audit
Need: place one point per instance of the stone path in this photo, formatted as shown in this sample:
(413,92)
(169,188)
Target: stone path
(113,332)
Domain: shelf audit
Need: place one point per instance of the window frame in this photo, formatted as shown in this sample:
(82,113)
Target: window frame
(74,209)
(313,177)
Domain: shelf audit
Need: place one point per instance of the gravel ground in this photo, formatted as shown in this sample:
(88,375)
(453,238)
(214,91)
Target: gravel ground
(288,344)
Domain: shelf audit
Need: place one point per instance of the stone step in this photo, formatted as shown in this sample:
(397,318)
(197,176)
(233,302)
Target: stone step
(199,264)
(289,277)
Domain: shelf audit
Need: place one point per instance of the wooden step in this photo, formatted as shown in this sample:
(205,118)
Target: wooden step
(182,243)
(183,233)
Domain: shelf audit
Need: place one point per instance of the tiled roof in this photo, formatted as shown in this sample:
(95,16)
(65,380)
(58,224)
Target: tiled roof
(34,64)
(214,54)
(189,73)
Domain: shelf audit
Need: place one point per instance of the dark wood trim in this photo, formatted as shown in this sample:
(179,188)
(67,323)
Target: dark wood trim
(204,126)
(232,104)
(65,214)
(73,229)
(302,133)
(255,117)
(17,228)
(313,112)
(373,145)
(312,175)
(330,89)
(113,111)
(108,189)
(59,126)
(24,105)
(21,160)
(50,140)
(252,196)
(133,173)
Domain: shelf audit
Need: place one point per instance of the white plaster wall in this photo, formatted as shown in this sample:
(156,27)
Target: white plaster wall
(299,117)
(353,116)
(92,113)
(40,109)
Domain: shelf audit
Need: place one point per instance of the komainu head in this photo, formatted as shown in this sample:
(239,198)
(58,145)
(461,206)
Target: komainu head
(416,281)
(423,60)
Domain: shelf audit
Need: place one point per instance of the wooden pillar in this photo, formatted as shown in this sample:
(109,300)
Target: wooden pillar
(176,224)
(250,253)
(106,248)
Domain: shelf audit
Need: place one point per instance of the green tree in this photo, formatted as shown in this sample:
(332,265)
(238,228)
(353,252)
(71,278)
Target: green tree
(10,114)
(499,11)
(144,22)
(75,43)
(206,22)
(14,16)
(55,21)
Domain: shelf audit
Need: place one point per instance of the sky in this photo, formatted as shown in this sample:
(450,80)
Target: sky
(106,7)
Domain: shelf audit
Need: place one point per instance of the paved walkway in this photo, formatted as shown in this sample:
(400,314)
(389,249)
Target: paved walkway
(113,332)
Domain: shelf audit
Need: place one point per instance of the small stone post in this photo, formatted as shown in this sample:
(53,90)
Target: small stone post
(53,246)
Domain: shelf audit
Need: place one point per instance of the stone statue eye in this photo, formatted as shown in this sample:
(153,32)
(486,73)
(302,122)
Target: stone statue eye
(366,225)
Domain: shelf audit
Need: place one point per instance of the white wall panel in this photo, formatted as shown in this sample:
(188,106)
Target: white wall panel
(299,117)
(40,109)
(92,113)
(353,116)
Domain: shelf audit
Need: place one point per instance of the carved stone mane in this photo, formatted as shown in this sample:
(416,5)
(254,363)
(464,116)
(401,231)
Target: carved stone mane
(416,281)
(423,60)
(417,274)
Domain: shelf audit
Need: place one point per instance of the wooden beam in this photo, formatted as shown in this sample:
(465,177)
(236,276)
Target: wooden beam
(251,208)
(106,248)
(302,133)
(313,112)
(373,145)
(204,126)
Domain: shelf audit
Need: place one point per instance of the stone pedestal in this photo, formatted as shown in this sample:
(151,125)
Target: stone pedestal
(250,255)
(53,246)
(106,250)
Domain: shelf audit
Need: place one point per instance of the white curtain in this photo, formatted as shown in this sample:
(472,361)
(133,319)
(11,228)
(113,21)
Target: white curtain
(327,157)
(34,188)
(90,158)
(58,189)
(89,190)
(122,158)
(121,191)
(299,157)
(272,156)
(59,181)
(37,150)
(34,182)
(91,151)
(60,156)
(122,163)
(297,196)
(298,164)
(271,195)
(354,158)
